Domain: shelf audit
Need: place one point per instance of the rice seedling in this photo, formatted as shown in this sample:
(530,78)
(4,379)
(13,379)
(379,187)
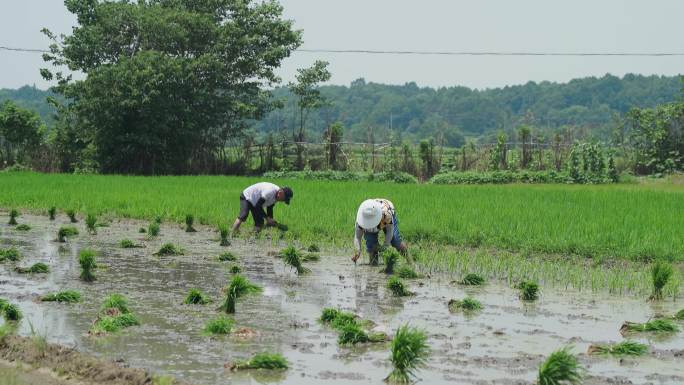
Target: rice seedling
(158,219)
(337,319)
(142,230)
(409,352)
(661,272)
(396,286)
(65,232)
(624,348)
(328,314)
(239,287)
(679,315)
(313,248)
(472,279)
(11,254)
(63,296)
(269,361)
(128,244)
(282,227)
(153,229)
(310,257)
(71,213)
(220,325)
(654,326)
(91,223)
(292,257)
(113,323)
(3,304)
(227,257)
(351,334)
(86,259)
(466,304)
(406,272)
(51,212)
(169,249)
(390,257)
(560,368)
(223,232)
(196,297)
(13,214)
(189,221)
(529,291)
(235,269)
(115,301)
(23,227)
(12,312)
(36,268)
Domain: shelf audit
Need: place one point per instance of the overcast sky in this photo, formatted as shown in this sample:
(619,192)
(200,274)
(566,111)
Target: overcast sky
(427,25)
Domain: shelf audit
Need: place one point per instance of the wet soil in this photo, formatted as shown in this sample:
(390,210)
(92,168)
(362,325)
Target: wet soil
(502,344)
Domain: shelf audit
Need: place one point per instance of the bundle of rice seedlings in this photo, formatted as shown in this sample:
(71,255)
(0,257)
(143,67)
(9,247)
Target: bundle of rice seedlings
(270,361)
(396,286)
(63,296)
(86,258)
(235,269)
(310,257)
(36,268)
(12,312)
(220,325)
(291,256)
(239,287)
(227,257)
(328,314)
(390,257)
(113,323)
(169,249)
(679,315)
(91,223)
(153,229)
(116,301)
(128,244)
(158,219)
(409,353)
(65,232)
(11,254)
(282,227)
(223,232)
(625,348)
(655,326)
(473,279)
(313,248)
(466,304)
(406,272)
(71,213)
(51,212)
(351,334)
(189,221)
(529,291)
(3,304)
(560,368)
(661,272)
(13,214)
(23,227)
(196,297)
(142,230)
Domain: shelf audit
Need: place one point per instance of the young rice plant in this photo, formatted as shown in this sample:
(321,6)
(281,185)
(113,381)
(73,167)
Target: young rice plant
(270,361)
(71,213)
(51,213)
(11,254)
(624,348)
(13,214)
(189,221)
(196,297)
(86,259)
(63,296)
(397,288)
(65,232)
(292,257)
(654,326)
(390,257)
(466,304)
(36,268)
(227,257)
(529,291)
(473,279)
(409,352)
(169,249)
(219,325)
(23,227)
(661,272)
(223,232)
(561,368)
(91,223)
(239,287)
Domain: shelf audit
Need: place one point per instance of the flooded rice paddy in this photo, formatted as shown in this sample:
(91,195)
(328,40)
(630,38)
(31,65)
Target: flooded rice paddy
(502,344)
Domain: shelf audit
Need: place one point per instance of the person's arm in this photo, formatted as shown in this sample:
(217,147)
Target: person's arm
(389,233)
(357,240)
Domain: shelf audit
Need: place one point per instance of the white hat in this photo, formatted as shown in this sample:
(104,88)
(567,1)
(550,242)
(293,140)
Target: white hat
(369,214)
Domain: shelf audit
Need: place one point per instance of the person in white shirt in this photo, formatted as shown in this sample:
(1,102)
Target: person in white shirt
(257,196)
(375,216)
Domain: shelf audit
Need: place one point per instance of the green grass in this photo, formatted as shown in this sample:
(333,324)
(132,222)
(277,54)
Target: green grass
(169,249)
(227,257)
(406,272)
(313,248)
(409,352)
(235,269)
(473,279)
(63,296)
(86,259)
(561,368)
(220,325)
(337,318)
(189,221)
(239,287)
(11,254)
(65,232)
(466,304)
(51,213)
(116,301)
(267,361)
(128,244)
(223,234)
(13,214)
(91,223)
(153,229)
(661,273)
(653,326)
(71,213)
(12,312)
(397,287)
(679,315)
(111,324)
(624,348)
(196,297)
(351,334)
(36,268)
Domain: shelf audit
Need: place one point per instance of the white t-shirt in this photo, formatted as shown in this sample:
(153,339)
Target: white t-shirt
(260,190)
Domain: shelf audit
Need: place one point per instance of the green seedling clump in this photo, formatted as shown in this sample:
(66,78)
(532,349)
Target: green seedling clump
(396,286)
(661,272)
(625,348)
(196,297)
(116,301)
(311,257)
(529,291)
(86,258)
(351,334)
(655,326)
(409,353)
(51,212)
(292,257)
(142,230)
(235,269)
(407,272)
(128,244)
(71,213)
(223,232)
(158,219)
(63,296)
(390,257)
(36,268)
(13,214)
(220,325)
(65,232)
(239,287)
(679,315)
(169,249)
(473,279)
(267,361)
(12,312)
(313,248)
(10,254)
(3,304)
(91,223)
(227,257)
(560,368)
(113,323)
(153,229)
(189,221)
(466,304)
(23,227)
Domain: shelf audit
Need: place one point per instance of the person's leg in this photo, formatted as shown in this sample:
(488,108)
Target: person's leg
(258,215)
(242,216)
(371,247)
(397,242)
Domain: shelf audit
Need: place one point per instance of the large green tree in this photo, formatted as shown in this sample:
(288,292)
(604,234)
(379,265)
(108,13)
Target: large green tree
(167,82)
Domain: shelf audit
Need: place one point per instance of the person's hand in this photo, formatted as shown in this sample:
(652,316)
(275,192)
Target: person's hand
(271,222)
(355,257)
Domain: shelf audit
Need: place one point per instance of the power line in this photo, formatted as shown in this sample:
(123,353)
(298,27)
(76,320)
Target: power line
(2,48)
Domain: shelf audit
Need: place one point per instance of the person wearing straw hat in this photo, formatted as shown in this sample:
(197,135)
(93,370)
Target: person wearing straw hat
(373,217)
(257,196)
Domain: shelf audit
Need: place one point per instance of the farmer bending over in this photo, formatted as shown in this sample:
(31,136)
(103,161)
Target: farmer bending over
(257,196)
(374,216)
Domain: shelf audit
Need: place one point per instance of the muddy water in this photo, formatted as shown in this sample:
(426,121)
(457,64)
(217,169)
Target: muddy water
(502,344)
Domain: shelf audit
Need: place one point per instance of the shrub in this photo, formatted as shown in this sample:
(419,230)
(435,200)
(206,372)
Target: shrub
(624,348)
(71,213)
(473,279)
(239,287)
(560,368)
(23,227)
(466,304)
(11,254)
(409,353)
(529,291)
(390,257)
(406,272)
(12,312)
(153,229)
(661,272)
(656,326)
(227,257)
(262,361)
(116,301)
(397,287)
(500,177)
(13,214)
(196,297)
(169,249)
(51,212)
(189,221)
(292,257)
(396,177)
(220,325)
(223,232)
(36,268)
(65,232)
(63,296)
(86,259)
